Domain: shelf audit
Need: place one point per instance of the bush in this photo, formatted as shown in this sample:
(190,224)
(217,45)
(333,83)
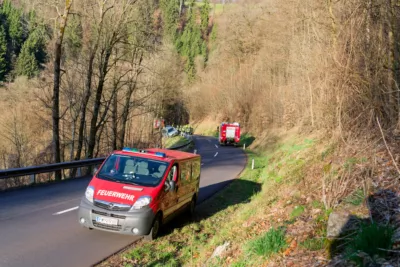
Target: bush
(372,239)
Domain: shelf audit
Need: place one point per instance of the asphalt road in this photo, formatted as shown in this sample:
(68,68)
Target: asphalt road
(39,226)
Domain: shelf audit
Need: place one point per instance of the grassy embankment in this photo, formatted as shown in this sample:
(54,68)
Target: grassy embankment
(175,141)
(266,213)
(277,213)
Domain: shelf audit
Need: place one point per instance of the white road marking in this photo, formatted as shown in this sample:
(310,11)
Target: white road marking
(208,140)
(216,146)
(215,154)
(64,211)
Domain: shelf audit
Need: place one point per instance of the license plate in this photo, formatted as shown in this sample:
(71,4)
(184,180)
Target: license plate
(109,221)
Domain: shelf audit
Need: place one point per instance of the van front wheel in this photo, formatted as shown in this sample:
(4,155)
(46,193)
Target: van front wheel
(155,229)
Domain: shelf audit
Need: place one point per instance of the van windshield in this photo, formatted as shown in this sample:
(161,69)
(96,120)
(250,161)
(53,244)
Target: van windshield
(133,170)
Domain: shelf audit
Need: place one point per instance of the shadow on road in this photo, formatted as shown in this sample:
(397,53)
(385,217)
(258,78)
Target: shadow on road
(239,191)
(368,241)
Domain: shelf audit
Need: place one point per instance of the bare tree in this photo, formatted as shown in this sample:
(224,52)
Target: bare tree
(56,86)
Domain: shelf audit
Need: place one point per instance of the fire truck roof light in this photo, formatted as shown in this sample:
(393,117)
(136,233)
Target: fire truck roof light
(160,154)
(128,149)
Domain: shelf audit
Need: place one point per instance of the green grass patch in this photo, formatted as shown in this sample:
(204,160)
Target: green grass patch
(317,204)
(174,141)
(356,198)
(246,139)
(163,256)
(290,148)
(296,212)
(314,244)
(328,151)
(271,242)
(239,264)
(350,162)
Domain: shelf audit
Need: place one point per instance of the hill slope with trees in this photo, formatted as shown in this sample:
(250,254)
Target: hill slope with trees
(314,85)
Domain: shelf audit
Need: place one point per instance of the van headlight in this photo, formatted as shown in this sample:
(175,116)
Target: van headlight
(141,203)
(89,193)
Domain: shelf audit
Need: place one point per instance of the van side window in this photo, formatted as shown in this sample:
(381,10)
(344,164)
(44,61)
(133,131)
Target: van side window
(171,173)
(196,169)
(186,171)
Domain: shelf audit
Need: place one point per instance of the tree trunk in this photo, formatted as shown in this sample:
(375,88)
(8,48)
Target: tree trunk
(85,100)
(114,118)
(71,156)
(126,110)
(96,107)
(391,64)
(88,87)
(56,88)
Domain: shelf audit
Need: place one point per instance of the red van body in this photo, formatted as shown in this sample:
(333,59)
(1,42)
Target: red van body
(229,133)
(135,191)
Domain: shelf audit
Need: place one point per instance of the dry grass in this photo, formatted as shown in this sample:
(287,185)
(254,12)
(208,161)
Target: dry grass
(291,63)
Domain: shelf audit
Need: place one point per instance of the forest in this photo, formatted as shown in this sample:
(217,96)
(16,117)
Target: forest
(95,74)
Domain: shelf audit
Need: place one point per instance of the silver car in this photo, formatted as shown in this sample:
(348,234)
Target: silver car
(169,131)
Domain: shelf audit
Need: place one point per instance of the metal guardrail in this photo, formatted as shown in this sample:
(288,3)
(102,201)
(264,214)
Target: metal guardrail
(33,170)
(190,141)
(49,168)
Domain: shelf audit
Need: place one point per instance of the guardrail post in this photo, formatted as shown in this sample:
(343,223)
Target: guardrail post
(33,178)
(252,164)
(195,151)
(78,172)
(244,146)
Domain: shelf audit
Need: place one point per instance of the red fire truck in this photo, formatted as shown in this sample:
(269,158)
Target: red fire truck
(229,133)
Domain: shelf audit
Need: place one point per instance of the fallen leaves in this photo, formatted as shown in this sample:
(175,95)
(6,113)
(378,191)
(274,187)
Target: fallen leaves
(291,248)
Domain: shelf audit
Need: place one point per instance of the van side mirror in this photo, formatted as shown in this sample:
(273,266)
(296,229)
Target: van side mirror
(170,186)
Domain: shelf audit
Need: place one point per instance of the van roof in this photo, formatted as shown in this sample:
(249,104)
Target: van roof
(170,154)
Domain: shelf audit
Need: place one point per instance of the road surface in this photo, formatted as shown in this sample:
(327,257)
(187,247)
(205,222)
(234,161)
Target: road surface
(39,226)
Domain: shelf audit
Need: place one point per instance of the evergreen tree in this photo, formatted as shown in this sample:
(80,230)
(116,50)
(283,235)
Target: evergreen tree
(73,37)
(205,16)
(3,53)
(213,35)
(15,25)
(22,41)
(170,16)
(26,62)
(190,43)
(32,54)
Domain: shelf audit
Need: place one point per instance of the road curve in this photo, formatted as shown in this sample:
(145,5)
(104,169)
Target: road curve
(39,227)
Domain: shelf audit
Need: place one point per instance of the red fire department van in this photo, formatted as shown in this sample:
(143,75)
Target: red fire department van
(229,133)
(136,191)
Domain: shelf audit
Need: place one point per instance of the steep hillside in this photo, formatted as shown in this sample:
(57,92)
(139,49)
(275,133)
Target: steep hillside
(314,84)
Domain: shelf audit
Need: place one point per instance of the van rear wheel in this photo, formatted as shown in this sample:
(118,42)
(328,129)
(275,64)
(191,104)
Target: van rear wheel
(155,229)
